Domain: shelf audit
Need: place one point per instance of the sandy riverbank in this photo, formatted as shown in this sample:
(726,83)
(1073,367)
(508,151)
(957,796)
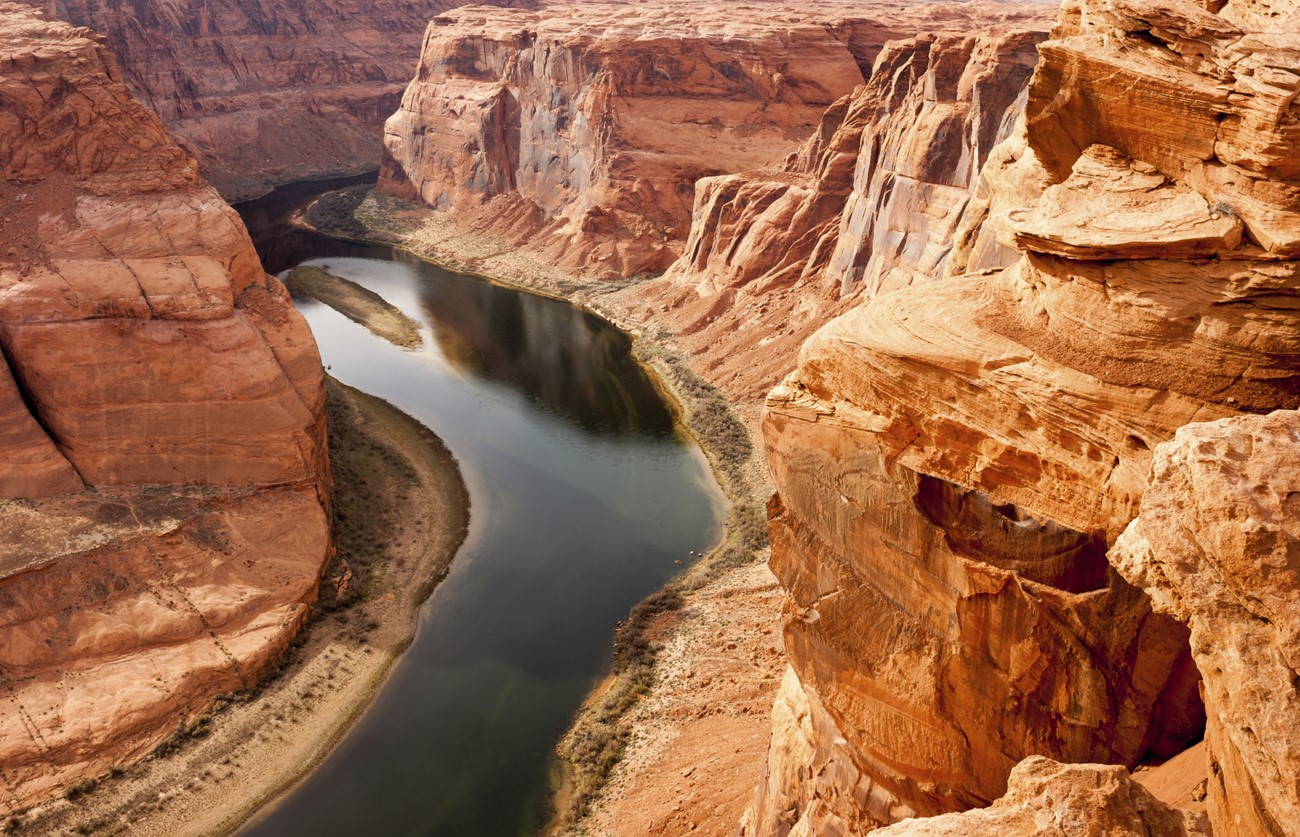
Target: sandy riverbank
(358,304)
(401,514)
(624,757)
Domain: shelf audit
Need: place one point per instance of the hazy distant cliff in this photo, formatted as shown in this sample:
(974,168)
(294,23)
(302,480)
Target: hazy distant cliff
(265,92)
(163,473)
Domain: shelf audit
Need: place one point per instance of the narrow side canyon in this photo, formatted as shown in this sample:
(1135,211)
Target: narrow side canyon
(164,489)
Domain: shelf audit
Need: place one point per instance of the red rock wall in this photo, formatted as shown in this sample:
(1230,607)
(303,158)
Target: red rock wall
(147,357)
(269,91)
(592,122)
(953,459)
(870,202)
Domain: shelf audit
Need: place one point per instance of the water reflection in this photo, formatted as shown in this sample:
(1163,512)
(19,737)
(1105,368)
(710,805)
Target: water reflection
(563,359)
(583,501)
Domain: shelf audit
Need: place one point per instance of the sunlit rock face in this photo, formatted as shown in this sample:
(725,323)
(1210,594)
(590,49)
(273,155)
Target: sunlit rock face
(1215,546)
(873,200)
(1046,797)
(163,473)
(955,459)
(588,124)
(264,92)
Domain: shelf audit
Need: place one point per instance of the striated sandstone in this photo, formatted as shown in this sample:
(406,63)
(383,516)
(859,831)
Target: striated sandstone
(270,91)
(104,652)
(1080,800)
(870,202)
(556,119)
(134,314)
(954,460)
(1215,546)
(149,360)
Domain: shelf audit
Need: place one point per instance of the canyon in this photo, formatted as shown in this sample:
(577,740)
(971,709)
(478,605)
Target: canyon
(1030,287)
(547,127)
(1035,269)
(269,92)
(164,502)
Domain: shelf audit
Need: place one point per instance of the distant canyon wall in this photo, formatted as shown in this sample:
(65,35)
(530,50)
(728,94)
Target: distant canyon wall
(163,474)
(583,128)
(773,173)
(872,201)
(956,461)
(265,92)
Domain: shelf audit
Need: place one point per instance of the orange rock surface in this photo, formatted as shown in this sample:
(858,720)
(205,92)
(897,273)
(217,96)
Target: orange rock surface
(1215,546)
(265,92)
(870,201)
(148,360)
(558,119)
(1046,797)
(954,459)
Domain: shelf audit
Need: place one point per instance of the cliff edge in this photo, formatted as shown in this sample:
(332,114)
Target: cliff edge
(163,472)
(954,461)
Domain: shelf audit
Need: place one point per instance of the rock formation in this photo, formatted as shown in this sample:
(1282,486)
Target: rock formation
(163,480)
(1046,797)
(871,202)
(561,117)
(268,91)
(1215,546)
(953,460)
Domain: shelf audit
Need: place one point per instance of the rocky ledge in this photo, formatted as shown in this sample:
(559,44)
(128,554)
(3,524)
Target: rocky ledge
(955,460)
(163,473)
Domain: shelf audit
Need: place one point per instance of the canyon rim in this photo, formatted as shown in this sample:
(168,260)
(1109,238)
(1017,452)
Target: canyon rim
(985,314)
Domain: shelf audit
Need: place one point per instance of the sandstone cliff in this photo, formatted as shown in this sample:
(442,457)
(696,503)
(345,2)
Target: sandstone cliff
(1214,546)
(586,126)
(268,91)
(163,480)
(954,460)
(871,201)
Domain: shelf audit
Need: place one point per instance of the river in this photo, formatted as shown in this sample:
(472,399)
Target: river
(584,498)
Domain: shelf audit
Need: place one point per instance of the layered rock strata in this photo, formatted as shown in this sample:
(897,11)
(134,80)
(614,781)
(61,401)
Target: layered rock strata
(268,91)
(163,479)
(561,118)
(1215,546)
(580,130)
(871,202)
(954,460)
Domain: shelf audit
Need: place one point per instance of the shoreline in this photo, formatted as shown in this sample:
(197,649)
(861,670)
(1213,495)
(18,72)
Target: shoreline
(589,763)
(252,749)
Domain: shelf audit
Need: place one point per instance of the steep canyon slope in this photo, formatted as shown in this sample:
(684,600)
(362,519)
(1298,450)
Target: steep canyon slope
(872,201)
(581,130)
(264,92)
(163,477)
(954,460)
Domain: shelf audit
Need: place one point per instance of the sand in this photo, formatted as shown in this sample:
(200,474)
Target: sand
(411,519)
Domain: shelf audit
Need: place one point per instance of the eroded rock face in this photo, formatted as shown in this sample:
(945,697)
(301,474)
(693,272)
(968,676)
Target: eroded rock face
(269,91)
(1215,546)
(1046,797)
(954,459)
(870,202)
(143,350)
(584,127)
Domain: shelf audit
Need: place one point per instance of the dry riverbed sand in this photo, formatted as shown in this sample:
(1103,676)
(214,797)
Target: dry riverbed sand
(401,513)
